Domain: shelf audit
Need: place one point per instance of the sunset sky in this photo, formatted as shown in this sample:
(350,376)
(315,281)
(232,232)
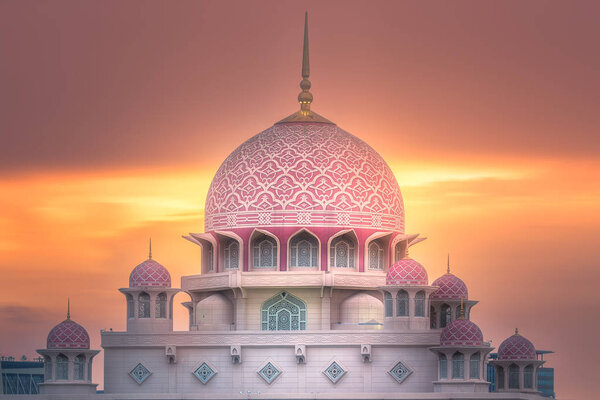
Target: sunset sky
(114,116)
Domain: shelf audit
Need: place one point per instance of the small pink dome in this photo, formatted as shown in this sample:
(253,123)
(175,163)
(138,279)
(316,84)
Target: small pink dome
(451,287)
(68,335)
(516,347)
(406,272)
(150,274)
(461,332)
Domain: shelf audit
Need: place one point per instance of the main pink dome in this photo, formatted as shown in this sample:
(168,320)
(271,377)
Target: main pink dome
(150,274)
(450,287)
(68,335)
(304,174)
(461,332)
(407,272)
(516,347)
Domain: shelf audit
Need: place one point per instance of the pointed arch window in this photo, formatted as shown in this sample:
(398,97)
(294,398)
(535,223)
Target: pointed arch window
(443,366)
(528,377)
(376,255)
(62,367)
(420,304)
(402,304)
(304,250)
(389,304)
(513,376)
(474,366)
(231,254)
(161,306)
(500,377)
(144,305)
(432,318)
(341,253)
(264,252)
(283,312)
(458,366)
(445,315)
(398,252)
(209,257)
(79,367)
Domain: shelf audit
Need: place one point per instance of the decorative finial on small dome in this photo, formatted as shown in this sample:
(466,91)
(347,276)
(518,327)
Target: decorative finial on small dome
(305,98)
(150,250)
(68,308)
(448,270)
(516,331)
(406,251)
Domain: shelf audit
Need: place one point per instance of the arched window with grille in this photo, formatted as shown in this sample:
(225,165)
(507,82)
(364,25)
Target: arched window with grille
(62,367)
(144,305)
(79,367)
(231,254)
(161,306)
(342,252)
(130,309)
(283,312)
(264,252)
(376,255)
(499,377)
(513,376)
(528,377)
(443,366)
(420,304)
(402,303)
(445,315)
(458,366)
(304,250)
(474,366)
(388,304)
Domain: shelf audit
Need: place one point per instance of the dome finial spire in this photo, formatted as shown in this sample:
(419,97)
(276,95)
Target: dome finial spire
(150,250)
(305,98)
(448,270)
(68,308)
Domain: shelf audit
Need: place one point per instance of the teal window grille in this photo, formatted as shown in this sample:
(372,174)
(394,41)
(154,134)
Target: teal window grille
(283,312)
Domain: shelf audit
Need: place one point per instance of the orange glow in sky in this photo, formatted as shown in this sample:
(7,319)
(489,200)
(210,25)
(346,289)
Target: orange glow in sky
(115,116)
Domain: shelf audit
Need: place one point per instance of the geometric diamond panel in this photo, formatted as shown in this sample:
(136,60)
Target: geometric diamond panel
(204,373)
(334,372)
(140,373)
(269,372)
(399,372)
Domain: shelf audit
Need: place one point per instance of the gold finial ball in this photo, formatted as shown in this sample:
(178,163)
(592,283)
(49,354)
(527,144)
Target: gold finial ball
(305,97)
(305,84)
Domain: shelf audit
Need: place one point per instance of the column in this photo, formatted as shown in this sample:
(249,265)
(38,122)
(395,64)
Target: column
(326,310)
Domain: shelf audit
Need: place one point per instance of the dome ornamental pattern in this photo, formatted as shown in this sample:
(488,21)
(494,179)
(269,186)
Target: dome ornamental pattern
(308,174)
(516,347)
(150,274)
(450,287)
(68,335)
(461,332)
(407,272)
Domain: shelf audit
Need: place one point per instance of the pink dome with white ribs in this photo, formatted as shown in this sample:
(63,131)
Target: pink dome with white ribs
(150,274)
(461,332)
(450,287)
(304,174)
(516,347)
(68,335)
(407,272)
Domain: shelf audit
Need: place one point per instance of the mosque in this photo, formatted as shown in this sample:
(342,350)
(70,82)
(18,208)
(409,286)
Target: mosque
(305,290)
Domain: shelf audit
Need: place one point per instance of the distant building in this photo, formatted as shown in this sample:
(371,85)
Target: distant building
(20,377)
(545,375)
